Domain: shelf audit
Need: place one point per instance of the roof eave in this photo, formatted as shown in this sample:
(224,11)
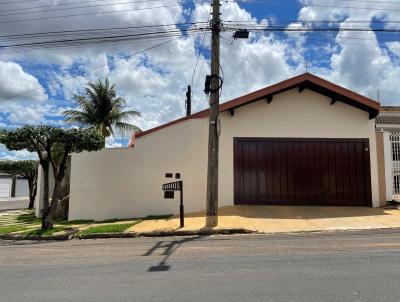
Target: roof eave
(304,81)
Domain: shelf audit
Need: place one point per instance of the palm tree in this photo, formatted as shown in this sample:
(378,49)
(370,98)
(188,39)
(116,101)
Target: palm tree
(100,108)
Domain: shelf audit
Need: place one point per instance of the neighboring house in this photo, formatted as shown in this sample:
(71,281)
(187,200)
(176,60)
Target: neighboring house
(303,141)
(21,186)
(388,126)
(388,119)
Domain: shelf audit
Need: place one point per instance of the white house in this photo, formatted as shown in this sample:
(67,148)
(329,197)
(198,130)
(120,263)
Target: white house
(303,141)
(388,143)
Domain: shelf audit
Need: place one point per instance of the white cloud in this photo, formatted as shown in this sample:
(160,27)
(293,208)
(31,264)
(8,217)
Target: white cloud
(28,116)
(18,114)
(99,17)
(15,155)
(155,83)
(361,63)
(15,81)
(111,143)
(394,48)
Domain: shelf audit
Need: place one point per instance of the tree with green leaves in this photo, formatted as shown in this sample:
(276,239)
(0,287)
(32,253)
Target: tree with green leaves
(100,108)
(53,146)
(24,168)
(69,141)
(39,139)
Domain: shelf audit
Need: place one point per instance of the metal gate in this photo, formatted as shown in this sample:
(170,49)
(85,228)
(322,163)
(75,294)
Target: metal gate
(395,143)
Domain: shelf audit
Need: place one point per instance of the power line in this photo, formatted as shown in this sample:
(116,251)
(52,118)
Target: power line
(102,44)
(311,21)
(68,3)
(95,39)
(317,41)
(353,7)
(239,23)
(73,8)
(323,5)
(87,71)
(280,1)
(198,57)
(89,14)
(370,1)
(198,77)
(83,31)
(314,29)
(23,1)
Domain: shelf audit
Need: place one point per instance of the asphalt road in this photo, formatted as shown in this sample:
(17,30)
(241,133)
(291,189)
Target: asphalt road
(310,267)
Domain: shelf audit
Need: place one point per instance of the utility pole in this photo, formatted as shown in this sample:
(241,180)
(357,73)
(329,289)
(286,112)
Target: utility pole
(213,136)
(189,101)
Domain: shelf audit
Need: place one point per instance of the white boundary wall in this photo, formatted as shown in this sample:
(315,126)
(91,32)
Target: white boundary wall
(388,162)
(125,183)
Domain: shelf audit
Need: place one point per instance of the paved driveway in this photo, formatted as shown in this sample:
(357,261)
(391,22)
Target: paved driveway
(18,203)
(282,219)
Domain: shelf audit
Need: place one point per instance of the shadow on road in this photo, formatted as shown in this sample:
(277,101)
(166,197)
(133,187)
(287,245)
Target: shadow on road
(169,248)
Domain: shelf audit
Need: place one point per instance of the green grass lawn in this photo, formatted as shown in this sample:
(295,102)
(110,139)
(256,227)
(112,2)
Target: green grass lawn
(12,229)
(18,221)
(158,217)
(109,228)
(25,223)
(28,217)
(74,222)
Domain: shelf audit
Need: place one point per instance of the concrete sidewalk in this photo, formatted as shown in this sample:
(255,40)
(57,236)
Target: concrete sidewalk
(282,219)
(16,203)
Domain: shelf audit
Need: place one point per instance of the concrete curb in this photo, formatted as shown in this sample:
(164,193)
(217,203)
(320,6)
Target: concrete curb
(105,236)
(62,237)
(193,233)
(203,232)
(168,233)
(22,237)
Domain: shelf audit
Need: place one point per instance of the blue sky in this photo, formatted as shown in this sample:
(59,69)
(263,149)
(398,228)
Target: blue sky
(155,82)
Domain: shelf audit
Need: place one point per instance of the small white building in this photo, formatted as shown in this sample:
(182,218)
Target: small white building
(303,141)
(21,186)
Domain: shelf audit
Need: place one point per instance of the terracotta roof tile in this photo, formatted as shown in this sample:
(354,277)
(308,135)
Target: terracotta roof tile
(388,119)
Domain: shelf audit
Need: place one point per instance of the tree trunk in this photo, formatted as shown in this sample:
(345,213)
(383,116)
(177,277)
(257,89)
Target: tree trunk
(46,208)
(49,218)
(13,185)
(50,214)
(32,183)
(31,198)
(45,187)
(59,173)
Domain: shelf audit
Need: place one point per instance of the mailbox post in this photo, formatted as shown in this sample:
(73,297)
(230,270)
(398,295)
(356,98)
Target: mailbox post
(169,189)
(181,208)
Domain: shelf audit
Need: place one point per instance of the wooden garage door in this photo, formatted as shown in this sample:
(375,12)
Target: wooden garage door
(302,171)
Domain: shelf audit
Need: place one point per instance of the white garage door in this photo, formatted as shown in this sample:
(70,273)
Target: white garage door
(5,188)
